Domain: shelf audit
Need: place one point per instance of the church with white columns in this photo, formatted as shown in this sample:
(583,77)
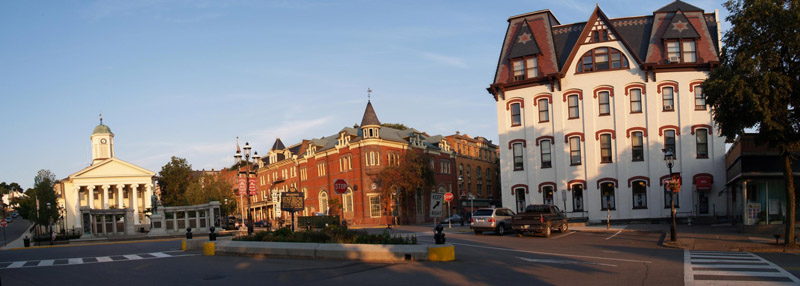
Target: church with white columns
(110,196)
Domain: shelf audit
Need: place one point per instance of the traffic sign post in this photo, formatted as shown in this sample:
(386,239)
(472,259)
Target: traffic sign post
(340,186)
(3,224)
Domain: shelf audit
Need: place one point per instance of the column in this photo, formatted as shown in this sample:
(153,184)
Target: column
(186,219)
(197,218)
(114,224)
(90,199)
(175,222)
(77,218)
(148,194)
(119,200)
(134,195)
(105,196)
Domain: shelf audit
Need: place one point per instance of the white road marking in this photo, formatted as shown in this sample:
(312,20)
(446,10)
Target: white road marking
(553,254)
(556,261)
(100,259)
(104,259)
(610,237)
(560,236)
(17,264)
(76,261)
(159,254)
(46,262)
(732,268)
(132,257)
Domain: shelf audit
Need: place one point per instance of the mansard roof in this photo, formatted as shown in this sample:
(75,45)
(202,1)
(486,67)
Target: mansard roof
(278,145)
(678,5)
(524,43)
(680,28)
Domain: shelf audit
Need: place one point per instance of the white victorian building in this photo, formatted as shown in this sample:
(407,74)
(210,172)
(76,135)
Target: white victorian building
(585,109)
(108,197)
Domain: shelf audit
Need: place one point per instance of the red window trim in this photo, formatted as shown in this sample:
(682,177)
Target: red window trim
(607,179)
(694,83)
(638,178)
(515,100)
(662,128)
(577,181)
(548,96)
(571,92)
(710,176)
(610,90)
(540,138)
(603,131)
(517,186)
(640,86)
(511,143)
(674,86)
(630,130)
(701,126)
(548,184)
(573,134)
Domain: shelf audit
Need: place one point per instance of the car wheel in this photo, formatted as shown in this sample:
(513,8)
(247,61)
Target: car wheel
(546,231)
(501,230)
(564,227)
(478,232)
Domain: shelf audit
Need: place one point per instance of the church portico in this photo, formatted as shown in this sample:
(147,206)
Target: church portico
(110,196)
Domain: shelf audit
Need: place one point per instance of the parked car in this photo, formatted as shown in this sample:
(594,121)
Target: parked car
(14,214)
(9,219)
(540,219)
(453,219)
(487,219)
(261,223)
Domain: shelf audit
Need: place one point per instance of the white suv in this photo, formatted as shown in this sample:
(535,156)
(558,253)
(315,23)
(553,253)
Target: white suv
(497,220)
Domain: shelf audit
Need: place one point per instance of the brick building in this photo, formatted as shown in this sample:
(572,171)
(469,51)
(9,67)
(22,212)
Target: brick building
(478,165)
(356,154)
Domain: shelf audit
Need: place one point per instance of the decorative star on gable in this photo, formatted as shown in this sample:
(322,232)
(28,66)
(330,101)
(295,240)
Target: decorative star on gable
(679,26)
(524,38)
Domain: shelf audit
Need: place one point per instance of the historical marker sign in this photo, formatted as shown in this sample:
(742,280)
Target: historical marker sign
(436,204)
(292,201)
(340,186)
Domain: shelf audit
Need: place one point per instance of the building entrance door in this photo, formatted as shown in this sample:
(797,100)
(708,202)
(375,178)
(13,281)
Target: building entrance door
(703,203)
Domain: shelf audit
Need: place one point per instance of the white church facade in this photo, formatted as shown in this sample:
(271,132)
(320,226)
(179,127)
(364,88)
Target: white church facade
(110,196)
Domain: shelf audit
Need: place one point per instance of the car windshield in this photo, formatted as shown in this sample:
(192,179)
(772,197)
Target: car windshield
(483,213)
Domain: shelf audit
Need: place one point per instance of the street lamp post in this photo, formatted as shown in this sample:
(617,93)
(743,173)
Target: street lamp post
(64,214)
(49,223)
(669,157)
(247,174)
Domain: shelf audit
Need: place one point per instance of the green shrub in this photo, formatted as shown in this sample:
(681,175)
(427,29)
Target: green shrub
(332,234)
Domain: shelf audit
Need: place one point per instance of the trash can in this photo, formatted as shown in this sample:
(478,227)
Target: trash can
(26,241)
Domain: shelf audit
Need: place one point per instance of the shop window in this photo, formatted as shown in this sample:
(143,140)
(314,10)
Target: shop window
(547,193)
(577,197)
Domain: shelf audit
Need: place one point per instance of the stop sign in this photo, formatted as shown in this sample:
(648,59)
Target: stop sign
(339,186)
(3,223)
(448,196)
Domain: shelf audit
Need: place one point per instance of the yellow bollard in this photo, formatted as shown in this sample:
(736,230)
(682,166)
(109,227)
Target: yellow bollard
(183,245)
(208,248)
(442,253)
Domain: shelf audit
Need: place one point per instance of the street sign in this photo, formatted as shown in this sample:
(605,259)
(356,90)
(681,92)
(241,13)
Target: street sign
(252,186)
(448,196)
(340,186)
(436,204)
(3,223)
(292,201)
(242,186)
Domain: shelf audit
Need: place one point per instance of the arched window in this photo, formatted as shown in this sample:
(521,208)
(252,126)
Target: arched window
(323,202)
(639,194)
(602,59)
(347,201)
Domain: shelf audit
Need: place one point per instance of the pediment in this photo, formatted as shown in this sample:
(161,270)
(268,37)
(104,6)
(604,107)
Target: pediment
(113,168)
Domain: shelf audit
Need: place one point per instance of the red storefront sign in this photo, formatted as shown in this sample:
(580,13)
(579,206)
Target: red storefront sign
(703,183)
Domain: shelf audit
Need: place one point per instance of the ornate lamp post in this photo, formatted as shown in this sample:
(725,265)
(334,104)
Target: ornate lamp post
(247,174)
(669,157)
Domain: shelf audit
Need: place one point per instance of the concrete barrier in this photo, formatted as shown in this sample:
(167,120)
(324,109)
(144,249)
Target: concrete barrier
(208,249)
(362,252)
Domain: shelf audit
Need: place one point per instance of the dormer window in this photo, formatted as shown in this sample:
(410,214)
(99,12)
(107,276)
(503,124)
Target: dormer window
(683,51)
(525,68)
(602,59)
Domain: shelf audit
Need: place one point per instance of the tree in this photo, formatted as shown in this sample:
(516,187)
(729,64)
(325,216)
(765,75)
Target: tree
(399,126)
(405,180)
(174,179)
(43,193)
(211,188)
(758,82)
(6,189)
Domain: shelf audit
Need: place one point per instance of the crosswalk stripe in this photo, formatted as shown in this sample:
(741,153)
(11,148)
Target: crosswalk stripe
(46,262)
(159,254)
(17,264)
(104,259)
(733,268)
(76,261)
(132,257)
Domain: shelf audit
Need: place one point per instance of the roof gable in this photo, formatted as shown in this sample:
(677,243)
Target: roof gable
(596,17)
(678,5)
(524,43)
(112,167)
(680,28)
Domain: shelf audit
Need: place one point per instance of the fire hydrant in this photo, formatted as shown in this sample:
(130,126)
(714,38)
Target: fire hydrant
(438,235)
(211,235)
(188,233)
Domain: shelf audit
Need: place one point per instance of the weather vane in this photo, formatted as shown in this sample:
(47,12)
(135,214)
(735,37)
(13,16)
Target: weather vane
(369,94)
(101,118)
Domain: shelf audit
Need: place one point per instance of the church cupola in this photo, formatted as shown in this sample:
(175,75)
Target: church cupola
(102,143)
(370,125)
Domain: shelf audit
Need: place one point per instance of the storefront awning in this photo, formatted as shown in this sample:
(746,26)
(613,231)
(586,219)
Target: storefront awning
(703,183)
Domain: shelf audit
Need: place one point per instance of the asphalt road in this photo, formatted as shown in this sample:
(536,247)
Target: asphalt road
(572,258)
(13,230)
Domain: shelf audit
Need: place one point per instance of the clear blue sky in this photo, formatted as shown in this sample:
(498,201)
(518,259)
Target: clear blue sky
(184,78)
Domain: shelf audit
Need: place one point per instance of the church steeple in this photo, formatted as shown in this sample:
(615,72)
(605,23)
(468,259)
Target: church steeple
(102,143)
